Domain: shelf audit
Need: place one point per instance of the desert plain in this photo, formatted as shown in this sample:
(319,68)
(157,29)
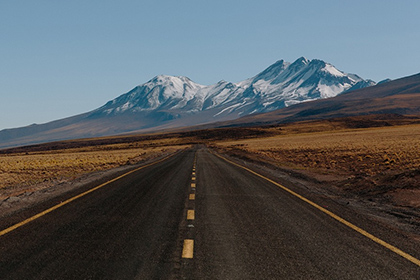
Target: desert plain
(374,161)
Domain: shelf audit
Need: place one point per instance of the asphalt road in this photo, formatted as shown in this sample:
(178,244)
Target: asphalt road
(192,216)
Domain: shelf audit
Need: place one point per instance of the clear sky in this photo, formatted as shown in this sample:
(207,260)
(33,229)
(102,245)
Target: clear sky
(62,58)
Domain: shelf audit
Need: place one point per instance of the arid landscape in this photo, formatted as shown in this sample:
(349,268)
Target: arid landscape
(31,170)
(27,169)
(210,140)
(372,159)
(364,161)
(369,165)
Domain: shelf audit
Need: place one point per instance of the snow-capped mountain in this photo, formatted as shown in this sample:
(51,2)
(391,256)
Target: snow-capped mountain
(280,85)
(169,102)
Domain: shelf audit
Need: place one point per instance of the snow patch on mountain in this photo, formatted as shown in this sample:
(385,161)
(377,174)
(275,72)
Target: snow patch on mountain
(280,85)
(332,70)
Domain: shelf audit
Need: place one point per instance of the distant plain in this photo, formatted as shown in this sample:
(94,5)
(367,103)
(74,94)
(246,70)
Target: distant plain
(369,159)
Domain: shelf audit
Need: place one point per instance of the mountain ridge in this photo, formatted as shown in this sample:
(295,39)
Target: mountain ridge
(285,82)
(174,101)
(396,97)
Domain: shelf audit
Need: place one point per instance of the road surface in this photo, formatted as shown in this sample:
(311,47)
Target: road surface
(191,216)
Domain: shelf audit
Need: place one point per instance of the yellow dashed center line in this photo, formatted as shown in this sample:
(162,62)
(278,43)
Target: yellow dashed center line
(188,250)
(190,215)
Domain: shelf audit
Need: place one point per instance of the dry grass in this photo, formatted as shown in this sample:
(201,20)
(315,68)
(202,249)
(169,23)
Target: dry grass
(381,164)
(357,159)
(25,171)
(364,152)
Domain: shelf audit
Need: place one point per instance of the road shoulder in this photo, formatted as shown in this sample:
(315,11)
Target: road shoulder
(375,218)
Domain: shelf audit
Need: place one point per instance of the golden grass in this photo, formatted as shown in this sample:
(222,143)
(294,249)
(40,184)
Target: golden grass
(318,147)
(358,151)
(20,171)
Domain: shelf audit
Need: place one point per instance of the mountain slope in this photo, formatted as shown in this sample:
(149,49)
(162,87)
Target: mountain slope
(280,85)
(168,102)
(400,96)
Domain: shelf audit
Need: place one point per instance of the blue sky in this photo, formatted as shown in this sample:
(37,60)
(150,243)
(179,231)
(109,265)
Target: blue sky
(61,58)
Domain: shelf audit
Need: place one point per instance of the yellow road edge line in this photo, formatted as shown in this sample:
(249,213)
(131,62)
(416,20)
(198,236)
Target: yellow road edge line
(190,215)
(331,214)
(192,196)
(43,213)
(188,249)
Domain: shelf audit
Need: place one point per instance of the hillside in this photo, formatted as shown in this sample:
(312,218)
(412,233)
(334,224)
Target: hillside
(400,97)
(167,102)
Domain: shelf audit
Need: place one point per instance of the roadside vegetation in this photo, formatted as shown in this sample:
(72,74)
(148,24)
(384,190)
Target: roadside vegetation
(28,170)
(362,152)
(376,162)
(372,157)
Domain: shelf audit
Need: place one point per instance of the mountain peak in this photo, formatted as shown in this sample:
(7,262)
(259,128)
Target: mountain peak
(171,85)
(272,71)
(167,78)
(302,60)
(279,63)
(298,64)
(281,84)
(178,101)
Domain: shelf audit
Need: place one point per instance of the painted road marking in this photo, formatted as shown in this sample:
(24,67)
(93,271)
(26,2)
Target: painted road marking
(18,225)
(331,214)
(193,173)
(193,178)
(192,185)
(192,196)
(188,250)
(190,215)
